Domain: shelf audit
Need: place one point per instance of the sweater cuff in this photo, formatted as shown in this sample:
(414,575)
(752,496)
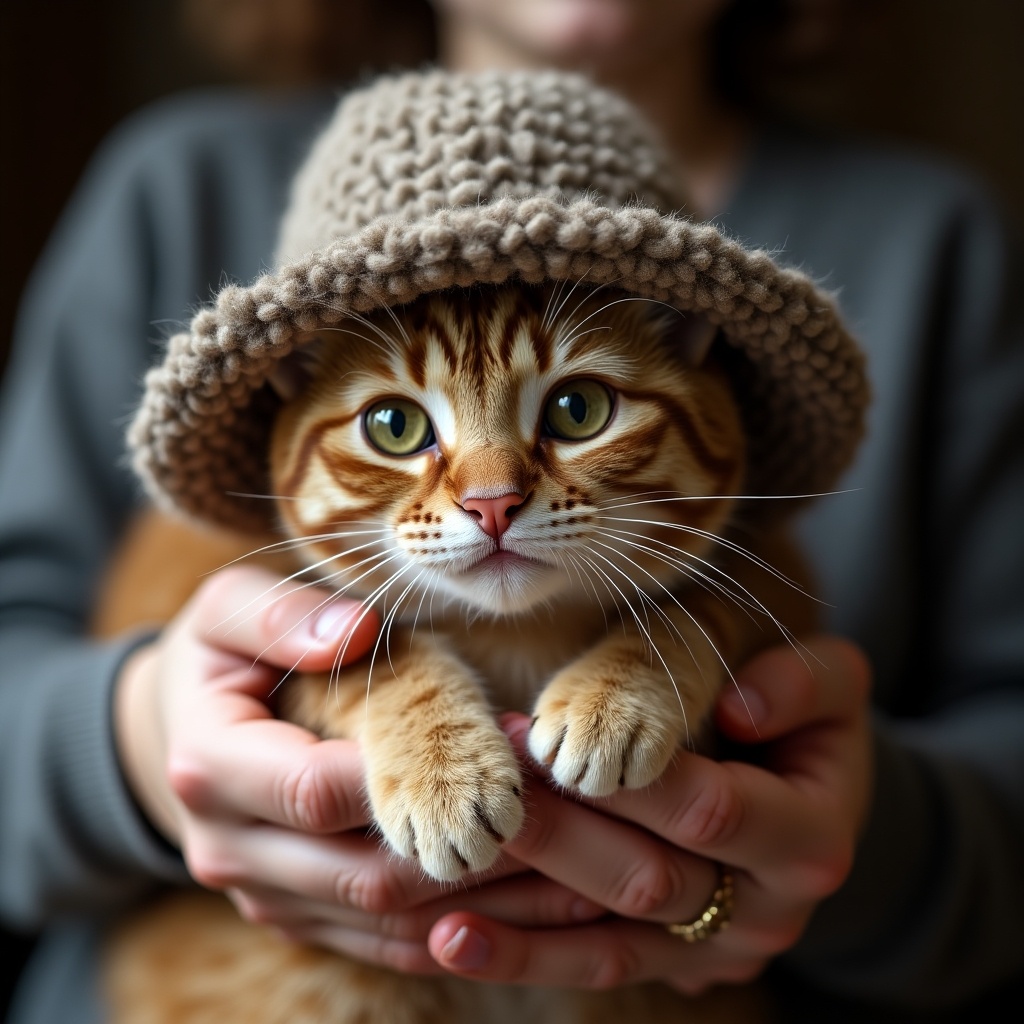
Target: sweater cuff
(87,768)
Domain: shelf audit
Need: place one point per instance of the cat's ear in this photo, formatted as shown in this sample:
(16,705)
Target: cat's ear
(291,374)
(692,336)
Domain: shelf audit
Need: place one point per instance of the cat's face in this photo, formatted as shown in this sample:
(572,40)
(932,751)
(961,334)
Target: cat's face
(506,448)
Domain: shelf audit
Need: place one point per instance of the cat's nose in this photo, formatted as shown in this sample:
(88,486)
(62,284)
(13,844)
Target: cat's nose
(494,515)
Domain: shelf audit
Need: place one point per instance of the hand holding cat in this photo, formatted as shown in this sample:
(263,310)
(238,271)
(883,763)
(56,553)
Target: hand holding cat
(249,799)
(270,813)
(787,827)
(263,809)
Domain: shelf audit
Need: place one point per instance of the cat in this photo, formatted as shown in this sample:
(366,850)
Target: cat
(541,490)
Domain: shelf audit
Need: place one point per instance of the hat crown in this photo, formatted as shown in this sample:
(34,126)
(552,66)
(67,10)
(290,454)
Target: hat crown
(412,144)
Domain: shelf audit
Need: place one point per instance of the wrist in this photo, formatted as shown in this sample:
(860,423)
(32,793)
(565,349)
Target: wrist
(139,742)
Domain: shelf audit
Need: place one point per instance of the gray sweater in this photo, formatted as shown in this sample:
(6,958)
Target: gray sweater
(923,559)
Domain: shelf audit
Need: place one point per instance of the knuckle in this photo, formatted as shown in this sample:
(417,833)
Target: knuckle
(534,838)
(711,818)
(612,967)
(217,589)
(781,934)
(212,867)
(830,870)
(190,780)
(406,958)
(307,799)
(373,890)
(650,886)
(252,909)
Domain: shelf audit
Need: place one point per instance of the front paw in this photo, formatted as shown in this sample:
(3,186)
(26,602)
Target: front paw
(450,809)
(597,735)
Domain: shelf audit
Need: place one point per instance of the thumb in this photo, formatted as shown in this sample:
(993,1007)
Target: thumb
(255,614)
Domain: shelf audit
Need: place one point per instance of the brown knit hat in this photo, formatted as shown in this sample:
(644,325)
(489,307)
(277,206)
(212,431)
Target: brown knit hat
(425,181)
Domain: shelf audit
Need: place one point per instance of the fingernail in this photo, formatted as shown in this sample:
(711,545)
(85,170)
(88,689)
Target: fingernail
(333,622)
(467,950)
(748,704)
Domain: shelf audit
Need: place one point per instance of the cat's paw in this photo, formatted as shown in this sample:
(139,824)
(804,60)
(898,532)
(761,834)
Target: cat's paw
(595,738)
(453,813)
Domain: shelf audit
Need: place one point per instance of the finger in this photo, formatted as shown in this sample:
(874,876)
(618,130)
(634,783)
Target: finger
(366,947)
(635,874)
(264,769)
(799,837)
(255,614)
(347,870)
(528,901)
(783,689)
(599,956)
(791,833)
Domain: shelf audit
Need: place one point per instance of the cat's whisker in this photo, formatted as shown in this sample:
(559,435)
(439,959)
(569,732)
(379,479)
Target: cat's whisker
(570,324)
(357,334)
(723,542)
(332,595)
(288,579)
(364,608)
(601,578)
(710,642)
(393,348)
(568,295)
(554,295)
(745,600)
(652,646)
(262,497)
(419,607)
(398,323)
(560,557)
(678,563)
(564,342)
(728,497)
(290,543)
(645,598)
(394,614)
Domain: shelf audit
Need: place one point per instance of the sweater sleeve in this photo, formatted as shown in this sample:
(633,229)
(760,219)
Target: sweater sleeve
(933,912)
(71,838)
(181,197)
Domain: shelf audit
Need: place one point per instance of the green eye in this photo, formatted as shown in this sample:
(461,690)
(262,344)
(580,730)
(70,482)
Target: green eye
(398,427)
(577,410)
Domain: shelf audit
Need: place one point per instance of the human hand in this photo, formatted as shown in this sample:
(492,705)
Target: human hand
(255,804)
(265,810)
(786,827)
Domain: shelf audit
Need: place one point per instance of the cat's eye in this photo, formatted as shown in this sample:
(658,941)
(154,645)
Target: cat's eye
(577,410)
(397,427)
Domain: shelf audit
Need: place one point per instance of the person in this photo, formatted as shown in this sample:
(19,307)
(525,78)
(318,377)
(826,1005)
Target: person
(876,851)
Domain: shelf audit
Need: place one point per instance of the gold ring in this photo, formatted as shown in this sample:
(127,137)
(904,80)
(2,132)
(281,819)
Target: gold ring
(715,915)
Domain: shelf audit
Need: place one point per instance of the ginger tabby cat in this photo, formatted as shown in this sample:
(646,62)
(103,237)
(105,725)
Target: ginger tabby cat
(539,490)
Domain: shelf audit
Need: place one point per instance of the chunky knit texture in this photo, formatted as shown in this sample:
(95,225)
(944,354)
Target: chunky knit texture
(427,181)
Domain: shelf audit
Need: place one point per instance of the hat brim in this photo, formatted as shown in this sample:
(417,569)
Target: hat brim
(201,435)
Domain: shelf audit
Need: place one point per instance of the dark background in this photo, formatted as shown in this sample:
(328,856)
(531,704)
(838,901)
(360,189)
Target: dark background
(940,75)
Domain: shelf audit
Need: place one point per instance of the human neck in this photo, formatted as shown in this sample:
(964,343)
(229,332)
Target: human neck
(672,88)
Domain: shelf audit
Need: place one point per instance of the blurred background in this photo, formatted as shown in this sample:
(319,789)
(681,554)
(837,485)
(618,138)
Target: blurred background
(941,76)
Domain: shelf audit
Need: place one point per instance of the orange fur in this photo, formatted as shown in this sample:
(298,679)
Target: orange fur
(603,615)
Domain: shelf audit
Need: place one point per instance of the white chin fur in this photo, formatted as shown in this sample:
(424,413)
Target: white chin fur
(507,589)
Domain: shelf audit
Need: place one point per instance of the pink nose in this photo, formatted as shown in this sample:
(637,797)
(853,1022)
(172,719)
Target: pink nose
(493,515)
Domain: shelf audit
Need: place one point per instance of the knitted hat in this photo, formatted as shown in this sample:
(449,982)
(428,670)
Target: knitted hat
(425,181)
